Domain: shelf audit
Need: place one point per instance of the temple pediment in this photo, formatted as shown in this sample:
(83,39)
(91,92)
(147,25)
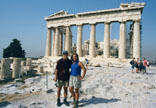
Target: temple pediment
(58,14)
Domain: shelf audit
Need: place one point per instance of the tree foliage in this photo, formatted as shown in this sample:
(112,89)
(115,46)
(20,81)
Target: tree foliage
(14,50)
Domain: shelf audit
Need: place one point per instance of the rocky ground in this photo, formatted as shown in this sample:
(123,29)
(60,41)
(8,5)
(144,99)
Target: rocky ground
(103,87)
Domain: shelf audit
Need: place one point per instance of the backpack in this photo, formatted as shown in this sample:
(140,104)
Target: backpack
(131,62)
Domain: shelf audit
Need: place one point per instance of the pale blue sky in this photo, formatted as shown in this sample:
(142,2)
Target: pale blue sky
(24,20)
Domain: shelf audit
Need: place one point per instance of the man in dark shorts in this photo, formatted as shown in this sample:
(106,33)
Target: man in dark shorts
(62,77)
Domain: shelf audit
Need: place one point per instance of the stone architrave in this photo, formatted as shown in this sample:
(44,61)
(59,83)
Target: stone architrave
(79,41)
(136,40)
(48,43)
(16,68)
(67,43)
(56,49)
(5,68)
(107,40)
(92,51)
(122,41)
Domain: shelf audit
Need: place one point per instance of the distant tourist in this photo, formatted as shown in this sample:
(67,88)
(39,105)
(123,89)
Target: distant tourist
(75,78)
(146,64)
(86,62)
(137,64)
(132,62)
(62,77)
(141,66)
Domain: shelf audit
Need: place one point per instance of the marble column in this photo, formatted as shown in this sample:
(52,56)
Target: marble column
(28,62)
(56,49)
(67,43)
(48,43)
(92,51)
(60,43)
(122,41)
(53,46)
(23,64)
(136,40)
(16,68)
(40,69)
(106,47)
(5,68)
(71,36)
(64,41)
(71,40)
(79,41)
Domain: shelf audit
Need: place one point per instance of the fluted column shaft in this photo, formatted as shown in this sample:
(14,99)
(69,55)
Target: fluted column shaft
(136,40)
(79,40)
(92,50)
(60,42)
(122,45)
(67,43)
(106,47)
(48,43)
(53,47)
(56,49)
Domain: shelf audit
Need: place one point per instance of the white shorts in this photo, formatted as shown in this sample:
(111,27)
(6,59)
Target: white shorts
(74,82)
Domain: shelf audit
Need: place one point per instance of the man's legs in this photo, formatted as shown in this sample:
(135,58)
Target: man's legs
(58,96)
(65,92)
(65,96)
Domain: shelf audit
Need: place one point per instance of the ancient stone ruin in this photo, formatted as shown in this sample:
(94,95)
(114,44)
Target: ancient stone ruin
(59,26)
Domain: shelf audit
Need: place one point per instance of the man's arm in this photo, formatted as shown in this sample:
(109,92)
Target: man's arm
(56,71)
(84,70)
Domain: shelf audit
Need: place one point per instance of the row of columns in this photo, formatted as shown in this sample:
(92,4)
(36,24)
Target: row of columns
(58,40)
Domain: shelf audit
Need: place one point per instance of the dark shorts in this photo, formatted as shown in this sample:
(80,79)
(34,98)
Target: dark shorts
(133,66)
(136,65)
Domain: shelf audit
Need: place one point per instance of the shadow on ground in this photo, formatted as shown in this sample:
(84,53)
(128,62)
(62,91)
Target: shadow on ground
(4,104)
(95,100)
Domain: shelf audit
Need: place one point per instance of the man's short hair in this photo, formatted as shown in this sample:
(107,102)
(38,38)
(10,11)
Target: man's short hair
(65,52)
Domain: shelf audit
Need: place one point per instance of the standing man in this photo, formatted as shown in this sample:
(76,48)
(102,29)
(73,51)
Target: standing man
(62,77)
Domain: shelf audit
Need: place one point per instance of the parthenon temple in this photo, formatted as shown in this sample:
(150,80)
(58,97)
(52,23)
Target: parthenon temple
(59,33)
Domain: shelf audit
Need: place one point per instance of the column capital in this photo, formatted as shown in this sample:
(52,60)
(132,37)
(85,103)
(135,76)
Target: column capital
(68,26)
(122,21)
(92,23)
(107,22)
(79,24)
(137,20)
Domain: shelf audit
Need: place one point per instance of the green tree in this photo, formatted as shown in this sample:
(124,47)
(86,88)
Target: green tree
(14,50)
